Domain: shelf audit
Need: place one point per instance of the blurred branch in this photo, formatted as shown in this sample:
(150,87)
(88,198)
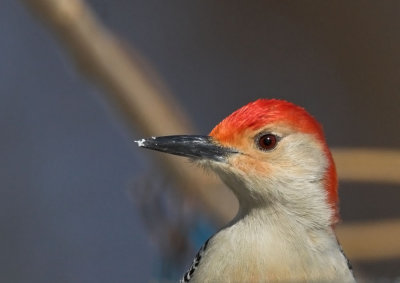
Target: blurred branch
(153,112)
(368,165)
(129,85)
(371,240)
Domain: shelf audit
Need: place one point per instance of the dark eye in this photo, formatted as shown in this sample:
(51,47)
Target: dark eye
(267,141)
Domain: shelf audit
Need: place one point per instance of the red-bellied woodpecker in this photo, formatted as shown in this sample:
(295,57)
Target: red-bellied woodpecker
(273,156)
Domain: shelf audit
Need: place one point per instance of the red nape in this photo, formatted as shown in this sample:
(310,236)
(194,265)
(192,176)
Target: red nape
(264,112)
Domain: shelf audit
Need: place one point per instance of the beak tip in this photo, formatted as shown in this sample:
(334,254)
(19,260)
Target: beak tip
(145,142)
(140,143)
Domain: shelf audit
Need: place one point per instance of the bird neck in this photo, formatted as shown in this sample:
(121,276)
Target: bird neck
(275,246)
(279,229)
(302,204)
(280,219)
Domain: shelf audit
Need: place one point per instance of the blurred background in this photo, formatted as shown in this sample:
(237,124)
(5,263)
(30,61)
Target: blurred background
(81,203)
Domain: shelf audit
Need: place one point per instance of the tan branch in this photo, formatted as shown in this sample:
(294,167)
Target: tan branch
(368,165)
(146,107)
(371,240)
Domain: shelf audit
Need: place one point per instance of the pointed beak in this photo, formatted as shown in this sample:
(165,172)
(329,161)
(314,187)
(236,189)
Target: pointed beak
(196,147)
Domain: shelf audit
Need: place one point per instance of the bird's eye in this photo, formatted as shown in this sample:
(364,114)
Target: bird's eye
(267,141)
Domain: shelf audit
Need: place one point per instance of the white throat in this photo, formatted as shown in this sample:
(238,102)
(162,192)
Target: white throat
(276,242)
(301,202)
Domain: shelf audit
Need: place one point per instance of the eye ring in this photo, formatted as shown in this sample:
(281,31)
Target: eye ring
(267,141)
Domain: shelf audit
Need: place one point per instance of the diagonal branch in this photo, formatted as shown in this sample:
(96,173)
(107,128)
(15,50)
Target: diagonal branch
(146,107)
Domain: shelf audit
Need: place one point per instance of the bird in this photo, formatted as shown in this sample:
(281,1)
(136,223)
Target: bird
(274,157)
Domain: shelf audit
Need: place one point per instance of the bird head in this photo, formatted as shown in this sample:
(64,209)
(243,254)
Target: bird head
(270,153)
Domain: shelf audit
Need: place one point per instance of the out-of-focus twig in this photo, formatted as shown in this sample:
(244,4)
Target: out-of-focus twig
(152,112)
(146,107)
(371,240)
(368,165)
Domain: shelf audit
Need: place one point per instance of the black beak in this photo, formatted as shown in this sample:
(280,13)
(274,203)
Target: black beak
(197,147)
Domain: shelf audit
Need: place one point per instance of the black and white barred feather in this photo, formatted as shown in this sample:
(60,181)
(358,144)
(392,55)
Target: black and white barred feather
(189,274)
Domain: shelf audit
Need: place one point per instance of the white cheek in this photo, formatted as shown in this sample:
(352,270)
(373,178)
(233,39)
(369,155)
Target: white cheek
(299,156)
